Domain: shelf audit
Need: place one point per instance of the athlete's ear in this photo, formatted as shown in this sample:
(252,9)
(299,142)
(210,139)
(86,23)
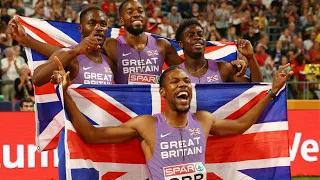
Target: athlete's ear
(180,44)
(162,92)
(80,28)
(121,21)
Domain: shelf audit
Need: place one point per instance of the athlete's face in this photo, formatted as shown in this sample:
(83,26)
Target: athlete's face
(177,90)
(193,41)
(91,19)
(133,17)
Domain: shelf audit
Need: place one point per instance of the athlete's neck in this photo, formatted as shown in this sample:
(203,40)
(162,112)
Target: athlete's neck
(138,42)
(194,64)
(175,119)
(94,56)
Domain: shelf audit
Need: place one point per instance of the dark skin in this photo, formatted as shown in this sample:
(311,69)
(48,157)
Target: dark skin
(143,127)
(93,29)
(133,11)
(193,44)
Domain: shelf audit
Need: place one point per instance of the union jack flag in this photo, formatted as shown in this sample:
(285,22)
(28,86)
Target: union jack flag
(212,78)
(62,34)
(261,153)
(194,131)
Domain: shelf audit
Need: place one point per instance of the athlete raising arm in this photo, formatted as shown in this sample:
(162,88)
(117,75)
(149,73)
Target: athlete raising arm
(162,135)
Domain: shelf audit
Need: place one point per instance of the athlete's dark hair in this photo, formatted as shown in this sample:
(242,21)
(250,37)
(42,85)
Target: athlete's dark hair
(163,75)
(85,11)
(121,6)
(183,25)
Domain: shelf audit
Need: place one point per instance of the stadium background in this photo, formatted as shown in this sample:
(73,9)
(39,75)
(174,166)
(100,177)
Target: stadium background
(280,31)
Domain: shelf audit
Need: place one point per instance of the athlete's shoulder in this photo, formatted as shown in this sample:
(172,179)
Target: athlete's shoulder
(204,116)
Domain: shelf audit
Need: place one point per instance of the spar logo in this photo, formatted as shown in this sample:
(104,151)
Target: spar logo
(191,171)
(143,79)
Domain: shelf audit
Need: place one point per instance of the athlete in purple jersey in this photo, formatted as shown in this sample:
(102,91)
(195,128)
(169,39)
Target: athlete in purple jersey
(190,37)
(93,28)
(176,137)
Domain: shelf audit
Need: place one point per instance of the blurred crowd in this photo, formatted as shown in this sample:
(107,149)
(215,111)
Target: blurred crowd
(281,31)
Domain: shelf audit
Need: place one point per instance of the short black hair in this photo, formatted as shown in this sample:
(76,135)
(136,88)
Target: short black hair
(88,9)
(163,75)
(183,25)
(121,6)
(25,100)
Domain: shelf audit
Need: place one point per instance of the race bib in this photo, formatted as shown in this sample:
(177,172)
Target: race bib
(142,79)
(190,171)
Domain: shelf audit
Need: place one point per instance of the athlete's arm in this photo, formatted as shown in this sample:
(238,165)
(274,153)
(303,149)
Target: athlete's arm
(18,33)
(240,125)
(43,73)
(103,135)
(229,73)
(246,49)
(171,55)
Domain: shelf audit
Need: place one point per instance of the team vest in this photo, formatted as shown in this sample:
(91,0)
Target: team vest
(211,76)
(93,73)
(133,65)
(178,152)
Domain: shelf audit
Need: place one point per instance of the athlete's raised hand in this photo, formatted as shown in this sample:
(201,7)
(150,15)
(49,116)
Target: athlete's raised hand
(16,31)
(60,75)
(89,43)
(241,67)
(279,79)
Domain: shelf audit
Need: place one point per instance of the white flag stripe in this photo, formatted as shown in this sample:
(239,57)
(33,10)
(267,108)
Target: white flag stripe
(55,127)
(235,104)
(268,127)
(230,170)
(115,103)
(99,116)
(220,53)
(50,30)
(46,98)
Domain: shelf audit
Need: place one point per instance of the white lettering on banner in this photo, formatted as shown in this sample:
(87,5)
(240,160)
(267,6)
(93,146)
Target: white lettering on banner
(97,78)
(191,171)
(140,65)
(20,163)
(307,147)
(180,148)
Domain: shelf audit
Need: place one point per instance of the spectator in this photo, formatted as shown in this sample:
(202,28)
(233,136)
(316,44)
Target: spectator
(235,21)
(268,70)
(232,37)
(263,22)
(308,28)
(252,36)
(314,54)
(23,85)
(261,55)
(174,17)
(277,53)
(286,39)
(17,52)
(10,68)
(166,28)
(222,16)
(184,9)
(5,18)
(213,34)
(308,43)
(26,105)
(195,11)
(154,21)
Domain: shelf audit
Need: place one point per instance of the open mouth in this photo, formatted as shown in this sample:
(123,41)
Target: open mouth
(183,96)
(198,45)
(136,22)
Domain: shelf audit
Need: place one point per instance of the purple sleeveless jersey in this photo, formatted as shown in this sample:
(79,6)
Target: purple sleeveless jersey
(176,149)
(211,76)
(131,61)
(93,73)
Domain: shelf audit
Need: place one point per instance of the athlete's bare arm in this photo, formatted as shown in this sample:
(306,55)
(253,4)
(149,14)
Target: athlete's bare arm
(42,74)
(110,50)
(246,49)
(240,125)
(170,53)
(18,33)
(229,72)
